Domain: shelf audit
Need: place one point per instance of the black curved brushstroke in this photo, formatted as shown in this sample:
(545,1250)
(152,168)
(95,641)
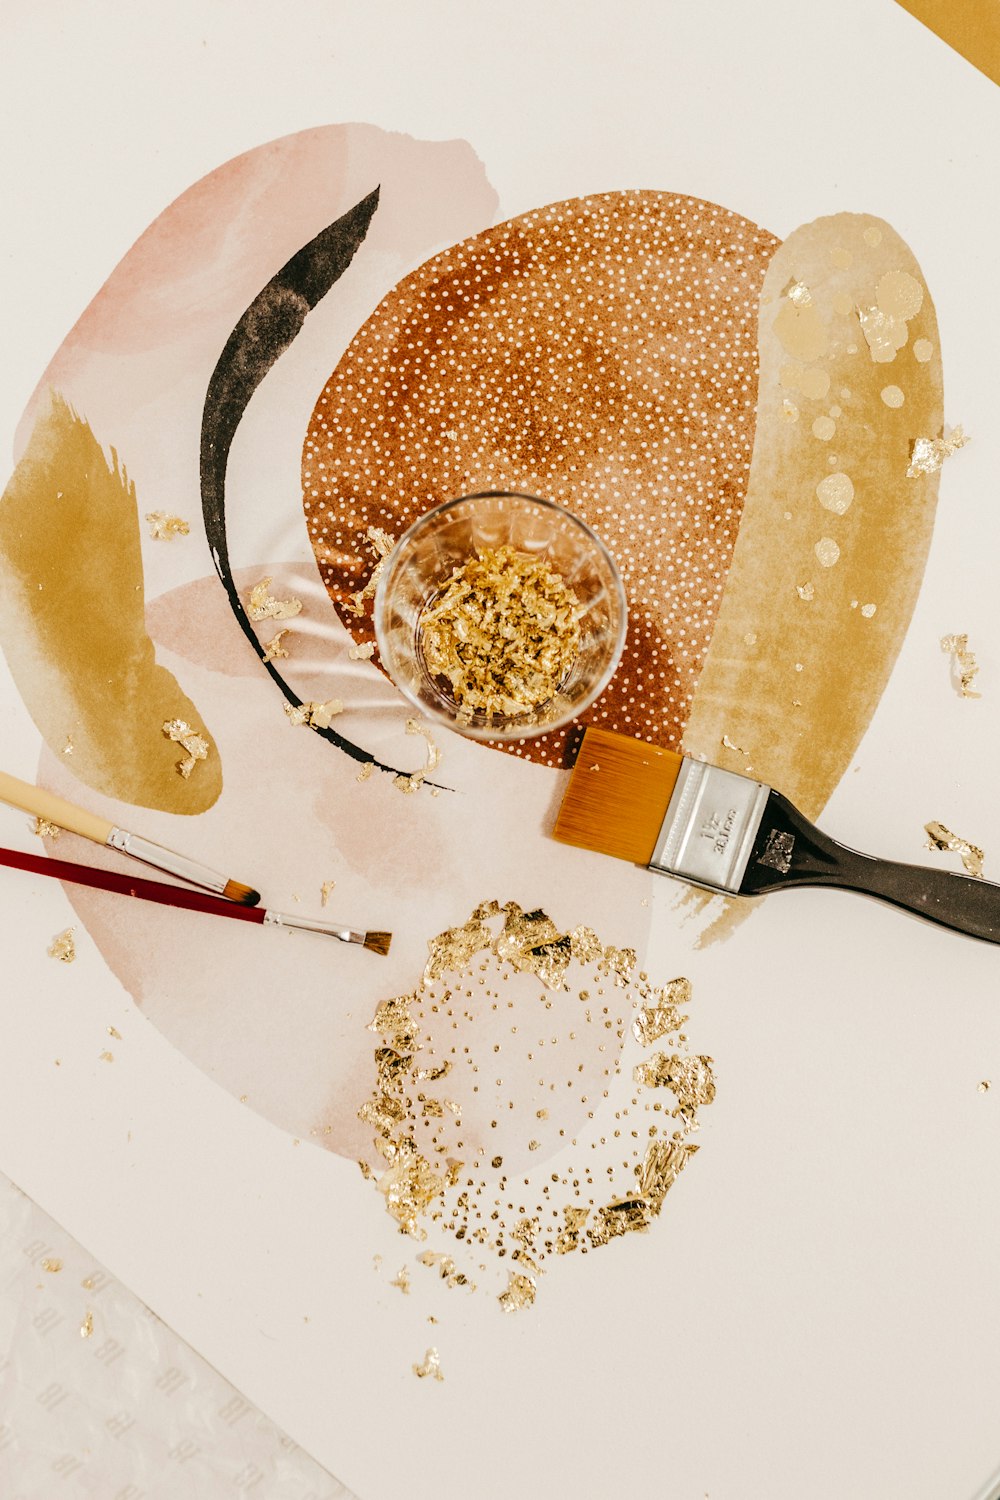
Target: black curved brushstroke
(263,333)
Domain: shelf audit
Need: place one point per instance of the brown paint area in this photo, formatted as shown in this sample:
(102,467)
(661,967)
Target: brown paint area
(599,352)
(72,626)
(829,511)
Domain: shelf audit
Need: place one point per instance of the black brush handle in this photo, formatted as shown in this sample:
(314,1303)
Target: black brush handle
(789,851)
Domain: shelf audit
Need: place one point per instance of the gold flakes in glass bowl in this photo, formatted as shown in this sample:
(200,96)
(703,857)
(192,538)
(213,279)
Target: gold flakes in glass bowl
(502,631)
(555,1132)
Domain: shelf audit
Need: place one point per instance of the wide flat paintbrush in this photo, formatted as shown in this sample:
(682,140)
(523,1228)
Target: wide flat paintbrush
(730,834)
(53,809)
(180,896)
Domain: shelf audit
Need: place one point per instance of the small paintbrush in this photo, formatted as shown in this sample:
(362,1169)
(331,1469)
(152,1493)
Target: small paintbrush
(53,809)
(180,896)
(735,836)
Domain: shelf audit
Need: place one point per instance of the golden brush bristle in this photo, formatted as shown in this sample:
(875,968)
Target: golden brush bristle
(243,895)
(617,796)
(378,942)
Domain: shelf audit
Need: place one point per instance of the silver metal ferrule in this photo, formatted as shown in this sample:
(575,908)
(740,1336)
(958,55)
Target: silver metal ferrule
(165,859)
(710,826)
(313,924)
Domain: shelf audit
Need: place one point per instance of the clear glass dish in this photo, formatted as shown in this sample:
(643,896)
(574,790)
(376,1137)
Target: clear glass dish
(447,537)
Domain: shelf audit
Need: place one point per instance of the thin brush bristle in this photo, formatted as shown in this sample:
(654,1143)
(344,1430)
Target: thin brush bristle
(378,942)
(617,796)
(243,895)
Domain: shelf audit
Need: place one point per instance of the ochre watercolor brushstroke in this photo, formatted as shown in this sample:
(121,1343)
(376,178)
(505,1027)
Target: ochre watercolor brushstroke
(834,536)
(971,27)
(72,626)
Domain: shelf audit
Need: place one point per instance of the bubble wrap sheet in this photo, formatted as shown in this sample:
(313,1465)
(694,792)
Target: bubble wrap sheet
(98,1398)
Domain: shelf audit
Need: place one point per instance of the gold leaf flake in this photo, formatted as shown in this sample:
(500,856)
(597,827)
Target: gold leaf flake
(107,1057)
(689,1078)
(430,1108)
(365,772)
(984,1088)
(799,293)
(316,714)
(622,1216)
(362,653)
(965,664)
(662,1015)
(261,606)
(943,839)
(408,1188)
(805,591)
(402,1280)
(663,1161)
(68,747)
(928,454)
(62,946)
(324,891)
(381,543)
(431,1075)
(112,1031)
(446,1268)
(431,1366)
(366,1171)
(569,1236)
(52,1264)
(392,1020)
(44,829)
(195,746)
(87,1326)
(273,649)
(520,1292)
(163,527)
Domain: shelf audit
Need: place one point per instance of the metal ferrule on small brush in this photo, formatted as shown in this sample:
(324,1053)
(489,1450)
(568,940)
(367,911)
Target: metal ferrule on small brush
(167,860)
(314,924)
(711,822)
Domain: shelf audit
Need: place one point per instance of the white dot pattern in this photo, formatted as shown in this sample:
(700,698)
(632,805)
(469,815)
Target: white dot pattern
(601,353)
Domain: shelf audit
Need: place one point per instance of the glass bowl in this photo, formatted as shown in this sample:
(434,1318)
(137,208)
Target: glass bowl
(449,536)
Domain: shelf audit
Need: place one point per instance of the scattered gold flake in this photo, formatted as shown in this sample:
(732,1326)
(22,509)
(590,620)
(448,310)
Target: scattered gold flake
(87,1326)
(315,714)
(689,1078)
(431,1366)
(261,606)
(928,454)
(366,1171)
(366,771)
(324,891)
(799,293)
(195,746)
(408,1188)
(431,1075)
(661,1165)
(943,839)
(52,1264)
(376,1262)
(273,649)
(520,1292)
(62,946)
(67,749)
(112,1031)
(163,527)
(430,1108)
(805,591)
(534,1145)
(621,1216)
(984,1088)
(402,1280)
(965,665)
(731,745)
(503,632)
(45,830)
(446,1268)
(107,1057)
(569,1236)
(662,1015)
(381,543)
(362,653)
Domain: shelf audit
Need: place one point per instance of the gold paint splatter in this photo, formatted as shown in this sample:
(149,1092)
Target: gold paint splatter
(44,829)
(805,591)
(324,891)
(195,745)
(827,551)
(261,606)
(362,653)
(402,1281)
(835,492)
(824,428)
(63,947)
(943,839)
(52,1264)
(431,1366)
(273,649)
(923,349)
(964,664)
(72,620)
(928,454)
(87,1326)
(892,396)
(163,527)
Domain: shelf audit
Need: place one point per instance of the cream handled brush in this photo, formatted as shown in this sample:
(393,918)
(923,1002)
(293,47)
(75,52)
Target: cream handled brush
(53,809)
(730,834)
